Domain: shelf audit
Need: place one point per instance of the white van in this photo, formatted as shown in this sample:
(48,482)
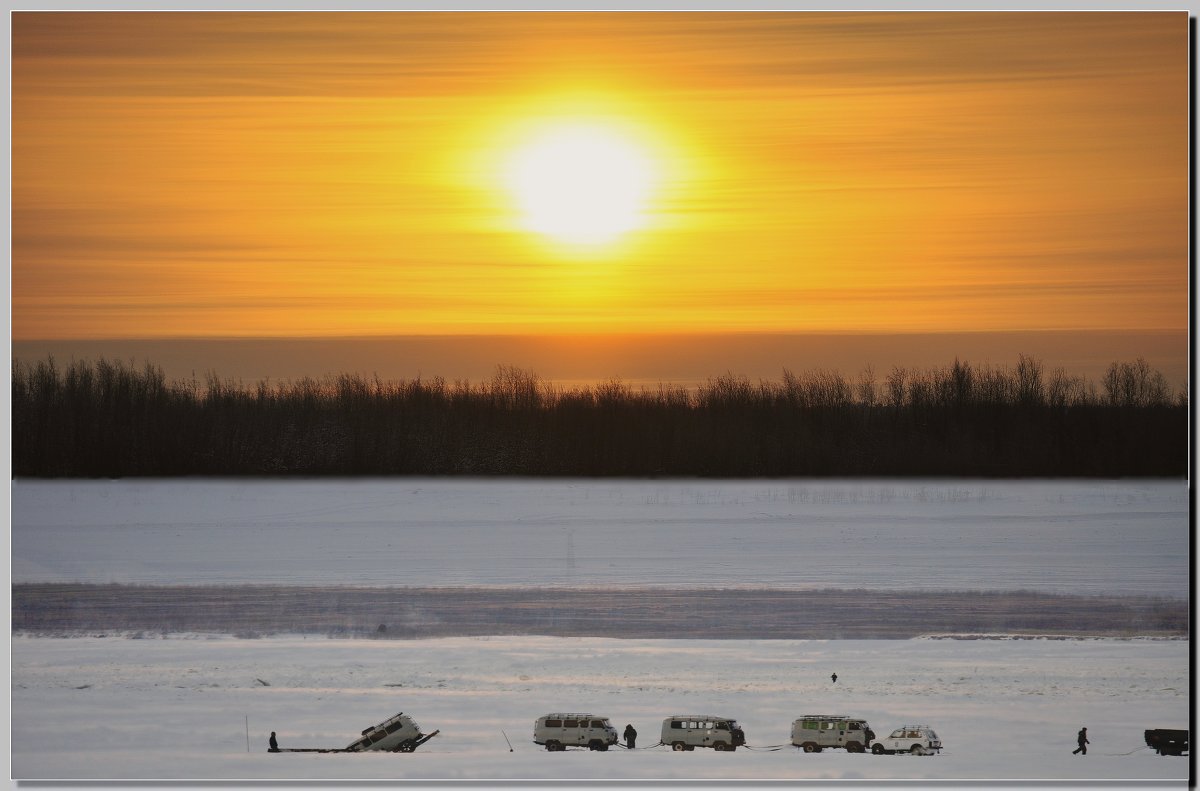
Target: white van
(689,731)
(560,731)
(398,734)
(814,732)
(915,739)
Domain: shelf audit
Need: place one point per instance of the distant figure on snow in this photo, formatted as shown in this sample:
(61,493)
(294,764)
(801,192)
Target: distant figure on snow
(630,736)
(1083,742)
(834,677)
(274,744)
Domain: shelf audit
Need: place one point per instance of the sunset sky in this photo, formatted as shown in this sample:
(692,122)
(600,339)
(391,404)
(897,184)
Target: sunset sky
(220,175)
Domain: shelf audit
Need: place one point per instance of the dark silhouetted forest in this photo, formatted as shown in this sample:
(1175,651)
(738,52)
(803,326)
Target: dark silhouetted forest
(113,419)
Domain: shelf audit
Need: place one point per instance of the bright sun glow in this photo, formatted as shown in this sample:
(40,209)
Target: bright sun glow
(581,183)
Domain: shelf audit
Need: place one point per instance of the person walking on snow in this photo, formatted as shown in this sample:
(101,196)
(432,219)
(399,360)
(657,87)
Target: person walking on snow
(273,743)
(834,677)
(630,736)
(1083,742)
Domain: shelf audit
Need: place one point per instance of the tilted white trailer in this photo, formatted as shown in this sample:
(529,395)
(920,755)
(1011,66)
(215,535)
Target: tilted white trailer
(398,734)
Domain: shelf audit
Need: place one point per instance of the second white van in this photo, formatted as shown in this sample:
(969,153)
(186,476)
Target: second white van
(557,732)
(689,731)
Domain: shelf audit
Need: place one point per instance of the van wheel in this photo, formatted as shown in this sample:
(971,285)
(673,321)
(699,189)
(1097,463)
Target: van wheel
(596,745)
(917,750)
(678,746)
(720,746)
(406,746)
(877,749)
(553,746)
(855,747)
(811,747)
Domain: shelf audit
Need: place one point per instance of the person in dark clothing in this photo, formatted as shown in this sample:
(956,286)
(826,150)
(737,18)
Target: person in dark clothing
(274,744)
(834,677)
(630,736)
(1083,742)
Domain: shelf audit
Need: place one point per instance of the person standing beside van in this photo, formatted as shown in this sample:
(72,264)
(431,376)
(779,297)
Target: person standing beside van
(630,736)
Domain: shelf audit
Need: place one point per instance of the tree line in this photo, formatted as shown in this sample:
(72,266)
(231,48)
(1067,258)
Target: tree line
(110,418)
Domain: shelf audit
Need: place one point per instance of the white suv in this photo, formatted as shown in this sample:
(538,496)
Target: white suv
(915,739)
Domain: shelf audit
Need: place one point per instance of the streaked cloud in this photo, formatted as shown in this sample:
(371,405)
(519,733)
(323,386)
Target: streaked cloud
(222,174)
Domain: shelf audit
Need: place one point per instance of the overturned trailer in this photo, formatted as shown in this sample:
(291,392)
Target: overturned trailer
(397,734)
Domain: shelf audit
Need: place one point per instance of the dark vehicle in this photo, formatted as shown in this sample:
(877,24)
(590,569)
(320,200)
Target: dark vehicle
(1167,742)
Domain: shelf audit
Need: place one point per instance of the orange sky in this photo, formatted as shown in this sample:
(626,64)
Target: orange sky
(293,174)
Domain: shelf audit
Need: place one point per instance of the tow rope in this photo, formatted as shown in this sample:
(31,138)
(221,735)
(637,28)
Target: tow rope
(1131,752)
(650,747)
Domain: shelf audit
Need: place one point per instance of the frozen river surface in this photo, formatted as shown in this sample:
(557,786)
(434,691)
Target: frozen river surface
(1082,537)
(202,708)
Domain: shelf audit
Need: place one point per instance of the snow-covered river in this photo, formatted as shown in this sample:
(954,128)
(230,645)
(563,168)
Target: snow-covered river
(201,708)
(1066,536)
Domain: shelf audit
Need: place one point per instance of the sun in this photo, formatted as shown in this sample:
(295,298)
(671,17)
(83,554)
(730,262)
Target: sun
(581,183)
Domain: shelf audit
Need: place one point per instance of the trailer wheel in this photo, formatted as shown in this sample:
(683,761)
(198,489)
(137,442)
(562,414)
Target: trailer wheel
(407,746)
(811,747)
(553,746)
(917,749)
(678,746)
(877,749)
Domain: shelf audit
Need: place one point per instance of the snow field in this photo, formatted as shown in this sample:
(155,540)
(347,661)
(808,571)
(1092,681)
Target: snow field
(176,708)
(1067,536)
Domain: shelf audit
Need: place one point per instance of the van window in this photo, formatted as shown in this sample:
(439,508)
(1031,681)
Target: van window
(570,723)
(554,723)
(722,726)
(377,735)
(812,725)
(855,726)
(597,723)
(676,724)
